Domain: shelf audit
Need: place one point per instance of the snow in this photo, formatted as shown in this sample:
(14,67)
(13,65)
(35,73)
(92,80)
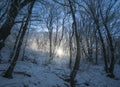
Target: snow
(28,74)
(41,76)
(47,76)
(96,77)
(3,53)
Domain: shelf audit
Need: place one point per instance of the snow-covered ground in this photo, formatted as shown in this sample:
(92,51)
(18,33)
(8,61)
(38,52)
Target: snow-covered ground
(39,75)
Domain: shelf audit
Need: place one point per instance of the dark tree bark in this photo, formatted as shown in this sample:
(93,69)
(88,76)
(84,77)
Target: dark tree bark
(111,68)
(50,38)
(96,49)
(70,49)
(8,73)
(24,48)
(71,34)
(17,38)
(77,60)
(5,29)
(70,53)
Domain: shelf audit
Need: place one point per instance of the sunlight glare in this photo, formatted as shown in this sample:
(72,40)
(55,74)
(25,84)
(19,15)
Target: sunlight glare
(59,52)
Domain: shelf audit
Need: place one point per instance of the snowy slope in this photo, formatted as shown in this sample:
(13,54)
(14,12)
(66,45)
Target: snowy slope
(40,75)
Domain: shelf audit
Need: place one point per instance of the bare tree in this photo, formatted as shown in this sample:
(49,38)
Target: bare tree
(8,73)
(15,7)
(106,20)
(52,22)
(71,34)
(93,10)
(77,60)
(49,23)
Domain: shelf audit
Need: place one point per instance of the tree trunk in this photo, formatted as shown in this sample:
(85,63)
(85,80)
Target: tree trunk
(96,49)
(103,48)
(111,68)
(110,42)
(24,48)
(5,29)
(70,53)
(17,38)
(77,60)
(8,73)
(50,38)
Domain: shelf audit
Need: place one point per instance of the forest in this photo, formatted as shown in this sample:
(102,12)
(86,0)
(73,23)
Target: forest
(59,43)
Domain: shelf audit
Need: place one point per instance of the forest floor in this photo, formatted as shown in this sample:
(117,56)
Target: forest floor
(35,73)
(27,74)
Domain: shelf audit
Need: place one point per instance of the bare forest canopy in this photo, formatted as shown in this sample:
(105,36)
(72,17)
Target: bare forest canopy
(76,30)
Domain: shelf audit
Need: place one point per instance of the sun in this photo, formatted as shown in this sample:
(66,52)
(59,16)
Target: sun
(59,52)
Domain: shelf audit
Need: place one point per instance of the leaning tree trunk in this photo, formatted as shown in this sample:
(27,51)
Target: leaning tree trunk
(8,73)
(77,60)
(70,48)
(17,38)
(96,49)
(111,68)
(24,48)
(5,29)
(70,53)
(103,48)
(50,38)
(110,42)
